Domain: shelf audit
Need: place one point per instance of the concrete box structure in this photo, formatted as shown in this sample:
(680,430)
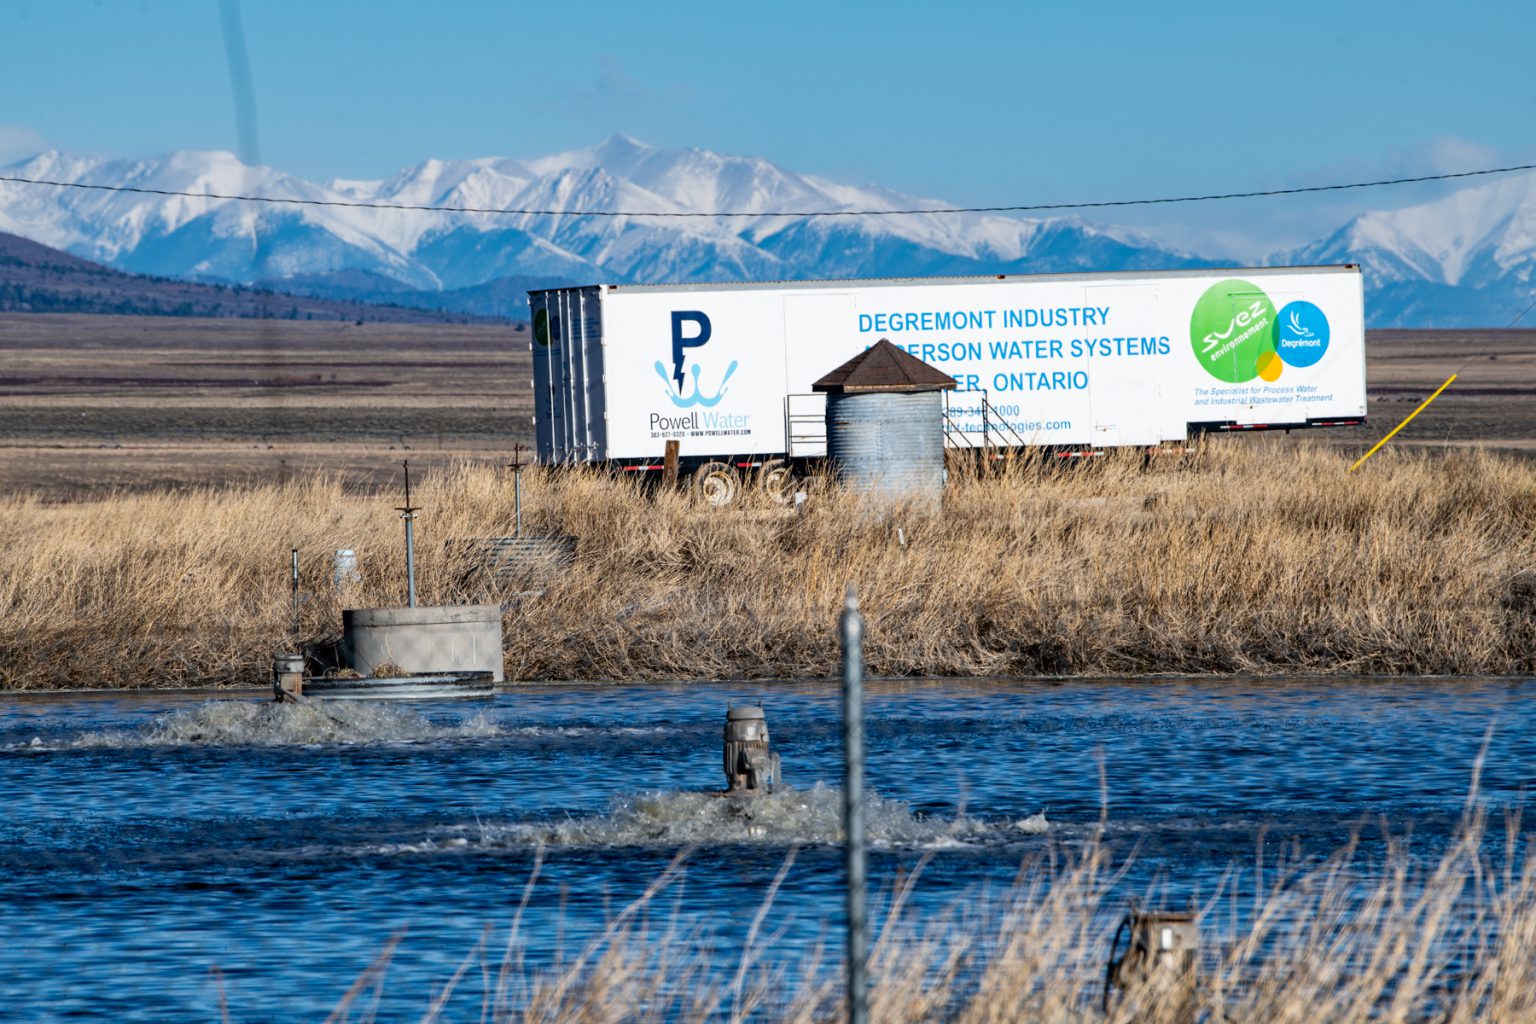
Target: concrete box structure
(449,638)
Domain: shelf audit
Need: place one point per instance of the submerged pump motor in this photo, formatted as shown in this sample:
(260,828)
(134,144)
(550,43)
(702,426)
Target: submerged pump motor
(1160,968)
(751,765)
(287,676)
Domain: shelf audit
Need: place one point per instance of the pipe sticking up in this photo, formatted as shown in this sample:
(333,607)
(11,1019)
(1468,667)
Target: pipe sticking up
(293,582)
(516,465)
(408,513)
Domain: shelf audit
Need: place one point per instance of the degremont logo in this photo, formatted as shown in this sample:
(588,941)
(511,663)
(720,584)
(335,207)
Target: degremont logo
(1301,333)
(1233,332)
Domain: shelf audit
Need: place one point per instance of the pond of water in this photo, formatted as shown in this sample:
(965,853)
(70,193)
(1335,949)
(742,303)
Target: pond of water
(155,849)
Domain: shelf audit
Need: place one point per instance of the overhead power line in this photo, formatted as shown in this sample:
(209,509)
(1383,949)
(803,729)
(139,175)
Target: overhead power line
(1033,208)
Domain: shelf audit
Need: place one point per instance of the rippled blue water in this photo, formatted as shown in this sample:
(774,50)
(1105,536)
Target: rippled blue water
(146,840)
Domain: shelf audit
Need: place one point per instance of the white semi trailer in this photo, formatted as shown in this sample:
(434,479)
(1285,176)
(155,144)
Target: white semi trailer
(1067,362)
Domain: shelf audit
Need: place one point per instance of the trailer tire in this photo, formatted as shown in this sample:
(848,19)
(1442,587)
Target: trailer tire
(716,484)
(777,480)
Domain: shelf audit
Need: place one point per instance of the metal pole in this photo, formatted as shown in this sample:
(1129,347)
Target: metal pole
(517,488)
(294,581)
(410,563)
(408,513)
(853,808)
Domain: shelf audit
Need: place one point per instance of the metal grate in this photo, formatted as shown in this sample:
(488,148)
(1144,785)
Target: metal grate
(526,560)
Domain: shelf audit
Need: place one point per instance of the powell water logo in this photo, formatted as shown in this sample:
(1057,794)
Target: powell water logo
(680,343)
(1237,335)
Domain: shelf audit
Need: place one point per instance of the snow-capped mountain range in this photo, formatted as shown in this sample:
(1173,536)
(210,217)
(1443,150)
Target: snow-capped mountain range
(1467,259)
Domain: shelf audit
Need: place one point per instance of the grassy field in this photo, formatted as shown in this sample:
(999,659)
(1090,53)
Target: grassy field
(155,473)
(1242,558)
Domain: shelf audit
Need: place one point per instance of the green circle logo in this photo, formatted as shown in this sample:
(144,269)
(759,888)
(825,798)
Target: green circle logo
(1233,332)
(541,327)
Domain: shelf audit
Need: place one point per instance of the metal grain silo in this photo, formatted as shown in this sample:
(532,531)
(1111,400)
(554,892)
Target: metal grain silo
(885,423)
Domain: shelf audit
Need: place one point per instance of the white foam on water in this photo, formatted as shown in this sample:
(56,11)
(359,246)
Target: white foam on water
(270,724)
(782,818)
(584,731)
(267,723)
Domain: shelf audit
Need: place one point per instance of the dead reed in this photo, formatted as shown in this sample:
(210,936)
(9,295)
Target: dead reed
(1349,939)
(1241,559)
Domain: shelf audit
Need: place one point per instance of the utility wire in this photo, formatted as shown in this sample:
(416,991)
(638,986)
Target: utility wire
(1524,311)
(800,213)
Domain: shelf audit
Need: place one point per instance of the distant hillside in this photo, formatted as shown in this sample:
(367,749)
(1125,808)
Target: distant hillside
(470,236)
(37,279)
(450,250)
(502,297)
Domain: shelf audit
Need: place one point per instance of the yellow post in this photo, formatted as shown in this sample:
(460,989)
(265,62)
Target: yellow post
(1403,424)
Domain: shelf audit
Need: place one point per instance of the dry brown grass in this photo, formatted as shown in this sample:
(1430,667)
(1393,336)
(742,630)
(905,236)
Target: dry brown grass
(1347,940)
(1243,559)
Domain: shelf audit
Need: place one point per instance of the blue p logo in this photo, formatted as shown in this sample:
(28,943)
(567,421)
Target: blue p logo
(679,342)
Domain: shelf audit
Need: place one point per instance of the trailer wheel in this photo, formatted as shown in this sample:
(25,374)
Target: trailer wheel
(716,484)
(777,480)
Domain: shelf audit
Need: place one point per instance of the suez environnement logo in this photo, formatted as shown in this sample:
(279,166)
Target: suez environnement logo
(691,330)
(1237,334)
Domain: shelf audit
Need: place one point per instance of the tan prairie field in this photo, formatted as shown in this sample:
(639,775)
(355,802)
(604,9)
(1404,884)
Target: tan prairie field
(1236,559)
(157,472)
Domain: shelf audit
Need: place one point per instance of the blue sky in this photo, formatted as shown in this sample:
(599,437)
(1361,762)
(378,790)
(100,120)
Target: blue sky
(973,103)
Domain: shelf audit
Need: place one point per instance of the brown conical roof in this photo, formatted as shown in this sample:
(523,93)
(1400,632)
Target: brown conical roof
(884,367)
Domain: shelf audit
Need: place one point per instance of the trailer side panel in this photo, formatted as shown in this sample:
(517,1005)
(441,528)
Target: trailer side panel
(1073,360)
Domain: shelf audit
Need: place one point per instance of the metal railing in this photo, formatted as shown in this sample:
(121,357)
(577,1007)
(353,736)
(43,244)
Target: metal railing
(805,424)
(994,431)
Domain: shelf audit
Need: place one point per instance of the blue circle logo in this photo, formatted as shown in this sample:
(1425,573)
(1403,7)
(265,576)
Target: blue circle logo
(1301,333)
